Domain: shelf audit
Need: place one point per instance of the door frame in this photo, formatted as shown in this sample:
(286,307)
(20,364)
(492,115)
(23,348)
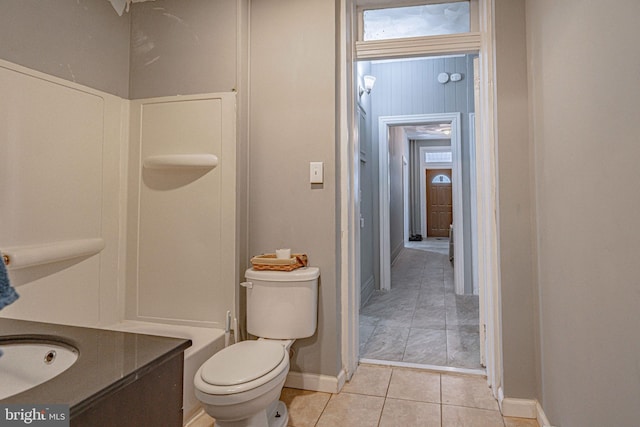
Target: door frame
(384,125)
(349,230)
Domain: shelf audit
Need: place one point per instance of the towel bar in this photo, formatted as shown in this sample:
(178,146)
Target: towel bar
(29,256)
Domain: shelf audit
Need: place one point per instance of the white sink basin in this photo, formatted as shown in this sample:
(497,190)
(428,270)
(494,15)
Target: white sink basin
(24,365)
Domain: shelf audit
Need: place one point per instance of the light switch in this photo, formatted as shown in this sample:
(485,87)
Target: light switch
(316,172)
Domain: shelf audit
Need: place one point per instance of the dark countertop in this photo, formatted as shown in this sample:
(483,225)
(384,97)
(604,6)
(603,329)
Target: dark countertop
(107,361)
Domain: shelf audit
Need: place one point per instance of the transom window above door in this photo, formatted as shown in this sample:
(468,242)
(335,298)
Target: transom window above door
(389,29)
(438,157)
(416,21)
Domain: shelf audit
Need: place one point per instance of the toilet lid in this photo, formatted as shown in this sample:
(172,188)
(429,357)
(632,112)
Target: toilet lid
(242,362)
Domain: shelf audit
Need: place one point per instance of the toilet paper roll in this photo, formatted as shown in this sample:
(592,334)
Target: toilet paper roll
(283,253)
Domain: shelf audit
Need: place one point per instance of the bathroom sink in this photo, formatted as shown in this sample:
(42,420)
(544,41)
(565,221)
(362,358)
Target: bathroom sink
(25,364)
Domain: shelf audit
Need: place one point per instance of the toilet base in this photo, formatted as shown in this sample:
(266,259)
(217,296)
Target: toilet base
(276,415)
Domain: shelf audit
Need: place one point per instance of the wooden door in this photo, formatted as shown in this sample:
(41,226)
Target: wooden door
(439,202)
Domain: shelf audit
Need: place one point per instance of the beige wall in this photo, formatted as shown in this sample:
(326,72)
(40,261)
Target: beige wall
(83,41)
(584,63)
(514,202)
(292,122)
(183,47)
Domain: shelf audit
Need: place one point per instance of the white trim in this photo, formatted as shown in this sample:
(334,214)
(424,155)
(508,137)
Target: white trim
(316,382)
(543,421)
(418,46)
(435,368)
(473,196)
(523,408)
(406,202)
(384,123)
(520,408)
(349,152)
(488,256)
(200,418)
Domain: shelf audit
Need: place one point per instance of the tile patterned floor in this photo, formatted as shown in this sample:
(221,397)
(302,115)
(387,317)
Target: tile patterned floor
(421,320)
(382,396)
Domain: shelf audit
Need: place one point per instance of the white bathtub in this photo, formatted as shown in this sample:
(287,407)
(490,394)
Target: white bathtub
(205,343)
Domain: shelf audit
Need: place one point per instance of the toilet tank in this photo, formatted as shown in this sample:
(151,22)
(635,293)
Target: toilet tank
(282,305)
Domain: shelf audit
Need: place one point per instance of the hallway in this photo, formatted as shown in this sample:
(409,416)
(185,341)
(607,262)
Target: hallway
(421,320)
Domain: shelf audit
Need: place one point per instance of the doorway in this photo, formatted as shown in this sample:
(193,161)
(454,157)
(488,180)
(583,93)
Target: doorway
(350,219)
(420,319)
(439,204)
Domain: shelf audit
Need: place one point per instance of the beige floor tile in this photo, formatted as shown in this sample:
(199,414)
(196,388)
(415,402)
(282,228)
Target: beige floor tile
(304,406)
(520,422)
(406,413)
(416,385)
(469,391)
(369,380)
(353,410)
(459,416)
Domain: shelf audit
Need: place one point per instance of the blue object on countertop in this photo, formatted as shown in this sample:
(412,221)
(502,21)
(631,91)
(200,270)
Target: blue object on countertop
(7,293)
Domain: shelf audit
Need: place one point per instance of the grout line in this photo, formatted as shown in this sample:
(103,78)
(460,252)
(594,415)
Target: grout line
(323,409)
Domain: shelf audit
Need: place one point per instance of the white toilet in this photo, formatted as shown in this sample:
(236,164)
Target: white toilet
(240,385)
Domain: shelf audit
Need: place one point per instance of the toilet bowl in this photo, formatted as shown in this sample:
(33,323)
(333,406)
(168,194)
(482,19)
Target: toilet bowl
(240,385)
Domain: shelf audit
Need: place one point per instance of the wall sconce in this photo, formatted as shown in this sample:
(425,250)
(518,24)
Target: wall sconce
(369,81)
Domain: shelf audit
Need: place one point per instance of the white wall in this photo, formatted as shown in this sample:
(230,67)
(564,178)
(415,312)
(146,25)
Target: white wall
(181,253)
(62,146)
(584,65)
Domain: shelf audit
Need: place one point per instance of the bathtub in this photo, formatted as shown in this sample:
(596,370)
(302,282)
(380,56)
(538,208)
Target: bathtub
(205,343)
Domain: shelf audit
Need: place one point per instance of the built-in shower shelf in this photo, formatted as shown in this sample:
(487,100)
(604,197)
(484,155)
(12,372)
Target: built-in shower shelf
(33,255)
(181,161)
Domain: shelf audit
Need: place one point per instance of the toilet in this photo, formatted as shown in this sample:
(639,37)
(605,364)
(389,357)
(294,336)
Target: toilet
(240,385)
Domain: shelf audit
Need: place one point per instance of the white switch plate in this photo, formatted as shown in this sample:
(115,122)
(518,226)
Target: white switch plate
(316,172)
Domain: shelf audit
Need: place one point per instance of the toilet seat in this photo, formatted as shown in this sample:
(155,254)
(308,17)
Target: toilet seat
(241,367)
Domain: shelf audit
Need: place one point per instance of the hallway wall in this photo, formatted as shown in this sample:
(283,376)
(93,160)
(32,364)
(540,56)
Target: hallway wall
(584,64)
(369,255)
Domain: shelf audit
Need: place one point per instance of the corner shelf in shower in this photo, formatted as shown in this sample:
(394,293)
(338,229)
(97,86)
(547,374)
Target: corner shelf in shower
(29,256)
(181,161)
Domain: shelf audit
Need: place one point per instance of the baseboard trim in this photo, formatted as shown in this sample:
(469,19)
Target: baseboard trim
(543,421)
(520,408)
(200,418)
(523,408)
(316,382)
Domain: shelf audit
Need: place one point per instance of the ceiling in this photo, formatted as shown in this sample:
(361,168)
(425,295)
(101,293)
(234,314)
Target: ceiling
(428,131)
